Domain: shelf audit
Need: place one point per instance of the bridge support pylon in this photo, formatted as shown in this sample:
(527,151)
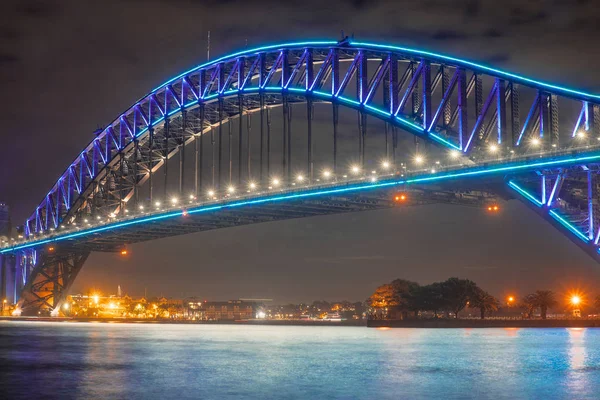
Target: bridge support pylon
(49,281)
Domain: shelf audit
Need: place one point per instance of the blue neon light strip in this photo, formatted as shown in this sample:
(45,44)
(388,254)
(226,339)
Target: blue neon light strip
(246,52)
(200,209)
(569,226)
(525,193)
(388,48)
(474,65)
(423,179)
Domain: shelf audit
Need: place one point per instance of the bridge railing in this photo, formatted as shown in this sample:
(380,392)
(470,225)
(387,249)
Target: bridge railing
(372,178)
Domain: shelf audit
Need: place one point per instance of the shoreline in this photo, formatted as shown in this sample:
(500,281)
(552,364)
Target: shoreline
(487,323)
(361,323)
(409,323)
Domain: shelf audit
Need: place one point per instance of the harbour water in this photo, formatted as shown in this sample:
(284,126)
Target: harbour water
(146,361)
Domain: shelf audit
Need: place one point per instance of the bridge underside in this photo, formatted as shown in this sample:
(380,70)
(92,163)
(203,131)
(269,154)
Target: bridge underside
(59,263)
(276,211)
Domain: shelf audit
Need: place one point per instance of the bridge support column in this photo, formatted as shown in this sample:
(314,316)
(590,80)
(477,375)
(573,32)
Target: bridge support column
(9,288)
(50,280)
(501,110)
(335,135)
(248,150)
(309,161)
(2,278)
(545,135)
(268,144)
(553,119)
(166,159)
(515,116)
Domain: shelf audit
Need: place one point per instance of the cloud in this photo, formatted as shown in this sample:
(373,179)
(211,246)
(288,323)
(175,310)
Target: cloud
(479,268)
(346,259)
(37,8)
(8,58)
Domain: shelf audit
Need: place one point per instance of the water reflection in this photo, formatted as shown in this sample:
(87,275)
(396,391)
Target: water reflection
(577,349)
(511,332)
(139,361)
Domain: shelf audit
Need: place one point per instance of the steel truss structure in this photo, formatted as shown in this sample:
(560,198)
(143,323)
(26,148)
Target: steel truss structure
(227,126)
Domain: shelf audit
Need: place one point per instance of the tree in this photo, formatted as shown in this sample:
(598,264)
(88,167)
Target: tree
(427,298)
(457,293)
(402,290)
(544,299)
(485,302)
(529,303)
(383,297)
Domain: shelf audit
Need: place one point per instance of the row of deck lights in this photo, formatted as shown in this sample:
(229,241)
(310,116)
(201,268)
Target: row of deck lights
(276,184)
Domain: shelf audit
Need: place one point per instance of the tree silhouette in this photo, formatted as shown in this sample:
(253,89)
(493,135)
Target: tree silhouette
(545,299)
(485,302)
(529,303)
(457,293)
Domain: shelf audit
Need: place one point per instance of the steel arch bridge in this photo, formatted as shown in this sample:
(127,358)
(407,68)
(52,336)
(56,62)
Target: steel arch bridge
(375,126)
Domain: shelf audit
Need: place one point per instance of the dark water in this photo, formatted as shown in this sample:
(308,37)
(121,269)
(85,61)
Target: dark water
(141,361)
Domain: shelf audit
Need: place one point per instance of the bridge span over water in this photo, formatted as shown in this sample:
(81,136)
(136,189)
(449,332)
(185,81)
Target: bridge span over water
(311,128)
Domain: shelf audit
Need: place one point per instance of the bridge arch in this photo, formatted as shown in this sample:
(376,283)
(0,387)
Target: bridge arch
(268,76)
(461,115)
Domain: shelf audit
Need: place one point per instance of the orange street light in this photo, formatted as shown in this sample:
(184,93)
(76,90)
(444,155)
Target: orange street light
(510,300)
(400,197)
(575,300)
(124,252)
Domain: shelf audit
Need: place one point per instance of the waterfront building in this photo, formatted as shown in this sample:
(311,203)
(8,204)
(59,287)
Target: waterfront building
(231,310)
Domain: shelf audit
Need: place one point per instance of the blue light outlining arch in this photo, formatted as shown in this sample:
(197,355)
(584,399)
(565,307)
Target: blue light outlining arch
(388,47)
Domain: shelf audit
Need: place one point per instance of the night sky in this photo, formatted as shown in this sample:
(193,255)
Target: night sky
(68,67)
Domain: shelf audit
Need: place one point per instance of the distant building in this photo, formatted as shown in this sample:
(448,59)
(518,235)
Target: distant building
(5,226)
(231,310)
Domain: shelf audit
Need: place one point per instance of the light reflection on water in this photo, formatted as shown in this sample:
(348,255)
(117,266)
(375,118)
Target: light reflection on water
(142,361)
